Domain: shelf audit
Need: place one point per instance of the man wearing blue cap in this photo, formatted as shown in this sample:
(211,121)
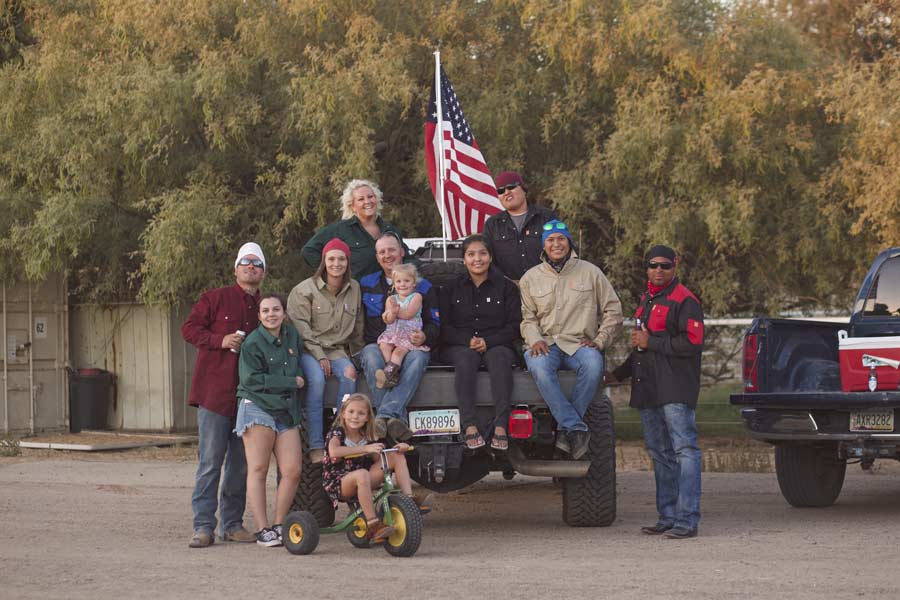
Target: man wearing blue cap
(515,233)
(569,315)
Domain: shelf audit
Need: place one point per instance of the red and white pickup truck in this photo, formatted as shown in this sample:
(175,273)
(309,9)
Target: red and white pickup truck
(826,393)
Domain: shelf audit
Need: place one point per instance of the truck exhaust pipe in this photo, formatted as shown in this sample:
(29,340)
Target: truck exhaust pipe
(546,468)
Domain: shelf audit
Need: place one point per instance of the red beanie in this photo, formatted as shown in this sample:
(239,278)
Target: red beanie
(336,244)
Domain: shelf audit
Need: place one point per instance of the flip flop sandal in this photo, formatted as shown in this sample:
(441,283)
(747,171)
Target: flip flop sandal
(471,437)
(501,439)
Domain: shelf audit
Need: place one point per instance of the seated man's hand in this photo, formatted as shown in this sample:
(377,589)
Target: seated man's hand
(588,343)
(478,344)
(417,337)
(540,348)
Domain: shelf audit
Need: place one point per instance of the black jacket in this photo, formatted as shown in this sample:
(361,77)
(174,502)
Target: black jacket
(668,372)
(514,252)
(492,311)
(375,290)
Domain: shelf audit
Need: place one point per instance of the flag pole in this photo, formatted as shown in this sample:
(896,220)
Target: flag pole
(440,135)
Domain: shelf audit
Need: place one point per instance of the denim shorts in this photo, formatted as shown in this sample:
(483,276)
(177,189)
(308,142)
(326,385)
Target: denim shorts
(250,414)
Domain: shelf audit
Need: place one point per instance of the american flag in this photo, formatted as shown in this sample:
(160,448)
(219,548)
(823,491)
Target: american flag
(470,196)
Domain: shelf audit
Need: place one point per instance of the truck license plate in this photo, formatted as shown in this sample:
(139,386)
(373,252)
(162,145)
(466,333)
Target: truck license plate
(872,420)
(434,422)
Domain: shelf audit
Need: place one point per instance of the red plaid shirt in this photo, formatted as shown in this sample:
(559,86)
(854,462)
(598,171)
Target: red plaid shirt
(219,312)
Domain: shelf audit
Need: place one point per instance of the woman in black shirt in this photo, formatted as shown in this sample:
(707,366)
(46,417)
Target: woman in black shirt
(480,316)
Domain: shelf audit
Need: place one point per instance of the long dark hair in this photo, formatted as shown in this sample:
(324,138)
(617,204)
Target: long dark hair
(320,272)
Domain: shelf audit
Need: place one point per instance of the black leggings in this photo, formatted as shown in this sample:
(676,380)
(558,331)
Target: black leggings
(499,361)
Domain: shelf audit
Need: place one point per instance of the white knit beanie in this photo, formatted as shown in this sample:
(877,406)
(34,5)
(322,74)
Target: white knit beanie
(250,248)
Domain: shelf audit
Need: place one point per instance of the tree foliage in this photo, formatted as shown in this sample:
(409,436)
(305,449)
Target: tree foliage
(141,143)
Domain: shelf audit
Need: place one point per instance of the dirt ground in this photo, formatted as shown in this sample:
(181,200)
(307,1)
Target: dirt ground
(117,525)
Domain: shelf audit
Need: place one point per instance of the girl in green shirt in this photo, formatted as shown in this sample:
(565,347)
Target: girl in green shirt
(269,413)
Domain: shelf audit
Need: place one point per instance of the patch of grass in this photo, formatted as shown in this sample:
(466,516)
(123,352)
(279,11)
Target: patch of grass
(716,417)
(9,446)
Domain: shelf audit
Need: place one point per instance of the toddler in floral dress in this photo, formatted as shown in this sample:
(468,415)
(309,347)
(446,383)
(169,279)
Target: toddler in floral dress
(403,316)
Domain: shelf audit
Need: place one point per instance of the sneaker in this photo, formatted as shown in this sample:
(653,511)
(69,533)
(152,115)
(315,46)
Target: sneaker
(579,441)
(398,430)
(201,539)
(277,529)
(239,535)
(562,444)
(316,455)
(268,537)
(381,429)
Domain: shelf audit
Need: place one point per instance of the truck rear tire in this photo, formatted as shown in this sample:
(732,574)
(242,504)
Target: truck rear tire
(809,476)
(591,501)
(310,495)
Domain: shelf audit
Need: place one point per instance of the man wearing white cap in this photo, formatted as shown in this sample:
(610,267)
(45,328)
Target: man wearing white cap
(217,325)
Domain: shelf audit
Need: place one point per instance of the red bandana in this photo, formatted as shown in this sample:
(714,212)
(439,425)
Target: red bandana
(655,289)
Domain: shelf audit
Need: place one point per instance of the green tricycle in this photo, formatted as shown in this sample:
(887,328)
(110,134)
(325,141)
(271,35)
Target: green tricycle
(301,531)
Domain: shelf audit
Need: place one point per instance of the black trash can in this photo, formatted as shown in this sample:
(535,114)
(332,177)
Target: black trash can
(90,394)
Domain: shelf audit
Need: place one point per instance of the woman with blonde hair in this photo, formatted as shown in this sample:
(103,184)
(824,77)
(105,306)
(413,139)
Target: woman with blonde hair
(359,227)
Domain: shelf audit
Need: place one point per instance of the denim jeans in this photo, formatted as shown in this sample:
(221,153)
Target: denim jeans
(392,403)
(219,445)
(314,398)
(670,433)
(588,366)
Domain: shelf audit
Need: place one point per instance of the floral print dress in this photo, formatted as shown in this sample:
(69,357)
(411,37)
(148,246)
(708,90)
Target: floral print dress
(333,469)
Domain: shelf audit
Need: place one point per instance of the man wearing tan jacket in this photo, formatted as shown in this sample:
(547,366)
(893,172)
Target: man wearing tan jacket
(569,315)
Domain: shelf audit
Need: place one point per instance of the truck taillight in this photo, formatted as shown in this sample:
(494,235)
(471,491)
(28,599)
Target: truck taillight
(521,423)
(751,346)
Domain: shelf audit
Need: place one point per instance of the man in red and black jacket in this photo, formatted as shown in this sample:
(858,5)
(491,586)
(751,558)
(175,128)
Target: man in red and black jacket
(665,383)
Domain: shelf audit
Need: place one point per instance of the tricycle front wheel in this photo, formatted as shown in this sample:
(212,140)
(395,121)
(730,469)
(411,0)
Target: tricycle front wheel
(407,522)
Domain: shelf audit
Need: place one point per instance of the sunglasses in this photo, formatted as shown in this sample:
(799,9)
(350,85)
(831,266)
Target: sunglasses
(507,188)
(551,226)
(246,262)
(663,266)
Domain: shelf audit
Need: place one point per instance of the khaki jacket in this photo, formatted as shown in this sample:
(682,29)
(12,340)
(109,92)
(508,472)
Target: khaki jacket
(569,307)
(331,326)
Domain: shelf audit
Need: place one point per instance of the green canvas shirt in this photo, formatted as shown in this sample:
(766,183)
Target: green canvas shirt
(362,245)
(267,371)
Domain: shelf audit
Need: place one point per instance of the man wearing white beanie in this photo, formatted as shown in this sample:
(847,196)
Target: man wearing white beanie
(216,326)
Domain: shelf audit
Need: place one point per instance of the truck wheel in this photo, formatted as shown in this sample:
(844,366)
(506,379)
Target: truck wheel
(809,475)
(591,501)
(310,495)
